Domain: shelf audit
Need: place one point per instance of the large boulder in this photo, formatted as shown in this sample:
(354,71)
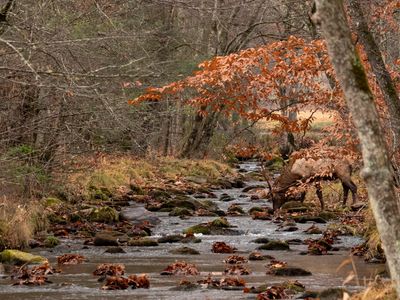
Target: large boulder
(19,257)
(138,215)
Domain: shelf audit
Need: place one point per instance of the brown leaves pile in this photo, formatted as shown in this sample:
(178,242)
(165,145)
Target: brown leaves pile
(209,282)
(275,264)
(221,247)
(70,259)
(237,270)
(235,259)
(109,270)
(122,283)
(260,215)
(180,268)
(273,292)
(35,276)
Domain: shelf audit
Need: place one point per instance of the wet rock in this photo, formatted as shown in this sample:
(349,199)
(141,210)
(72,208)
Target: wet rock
(226,198)
(332,294)
(115,250)
(200,195)
(288,228)
(104,214)
(17,257)
(294,286)
(235,210)
(186,287)
(109,238)
(256,209)
(181,212)
(253,187)
(51,241)
(200,228)
(142,242)
(238,183)
(313,230)
(35,244)
(138,215)
(294,206)
(185,251)
(275,245)
(261,241)
(290,271)
(308,295)
(220,222)
(295,242)
(254,197)
(173,238)
(159,194)
(258,256)
(305,219)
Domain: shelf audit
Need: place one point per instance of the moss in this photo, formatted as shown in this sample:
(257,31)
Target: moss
(56,219)
(51,202)
(220,222)
(275,245)
(51,241)
(200,228)
(360,75)
(255,209)
(104,214)
(179,211)
(18,257)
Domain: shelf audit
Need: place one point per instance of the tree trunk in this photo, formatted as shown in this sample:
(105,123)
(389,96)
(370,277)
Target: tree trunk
(376,172)
(378,68)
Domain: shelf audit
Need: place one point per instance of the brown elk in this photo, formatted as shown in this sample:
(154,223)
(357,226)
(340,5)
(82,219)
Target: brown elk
(303,170)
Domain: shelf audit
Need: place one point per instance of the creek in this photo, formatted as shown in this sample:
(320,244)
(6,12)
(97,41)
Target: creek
(77,282)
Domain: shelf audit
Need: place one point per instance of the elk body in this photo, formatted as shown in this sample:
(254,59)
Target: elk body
(303,170)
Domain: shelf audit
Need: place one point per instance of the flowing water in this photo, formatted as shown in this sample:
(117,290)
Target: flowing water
(77,281)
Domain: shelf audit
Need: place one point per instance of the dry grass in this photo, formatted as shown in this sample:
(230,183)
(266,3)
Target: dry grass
(377,291)
(113,172)
(18,222)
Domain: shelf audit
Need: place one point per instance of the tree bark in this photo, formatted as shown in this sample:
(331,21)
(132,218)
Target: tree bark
(378,68)
(376,172)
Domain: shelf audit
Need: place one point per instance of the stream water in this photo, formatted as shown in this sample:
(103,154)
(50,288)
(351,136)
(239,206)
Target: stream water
(77,281)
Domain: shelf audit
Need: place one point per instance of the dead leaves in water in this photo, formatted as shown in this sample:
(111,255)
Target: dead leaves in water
(221,247)
(181,268)
(275,264)
(237,270)
(273,292)
(109,270)
(122,283)
(209,282)
(235,259)
(70,259)
(35,276)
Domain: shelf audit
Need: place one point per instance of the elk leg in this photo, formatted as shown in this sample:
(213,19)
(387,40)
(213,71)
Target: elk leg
(353,189)
(319,194)
(345,193)
(302,196)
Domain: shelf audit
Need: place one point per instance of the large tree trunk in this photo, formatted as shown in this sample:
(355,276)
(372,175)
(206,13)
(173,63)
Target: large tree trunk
(378,67)
(376,171)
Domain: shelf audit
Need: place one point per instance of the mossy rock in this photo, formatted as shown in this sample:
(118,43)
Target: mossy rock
(52,202)
(261,241)
(290,271)
(221,223)
(101,193)
(294,286)
(275,245)
(185,251)
(109,238)
(171,204)
(51,241)
(209,205)
(180,212)
(343,229)
(19,257)
(173,238)
(275,164)
(142,242)
(305,219)
(226,198)
(159,194)
(236,210)
(104,214)
(255,209)
(200,228)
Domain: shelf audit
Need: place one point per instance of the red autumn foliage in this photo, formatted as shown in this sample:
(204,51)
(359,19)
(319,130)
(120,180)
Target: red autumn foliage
(116,283)
(37,275)
(273,292)
(235,259)
(181,268)
(70,259)
(222,247)
(109,269)
(237,270)
(139,281)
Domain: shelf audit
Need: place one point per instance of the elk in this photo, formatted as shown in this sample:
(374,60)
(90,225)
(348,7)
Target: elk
(300,171)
